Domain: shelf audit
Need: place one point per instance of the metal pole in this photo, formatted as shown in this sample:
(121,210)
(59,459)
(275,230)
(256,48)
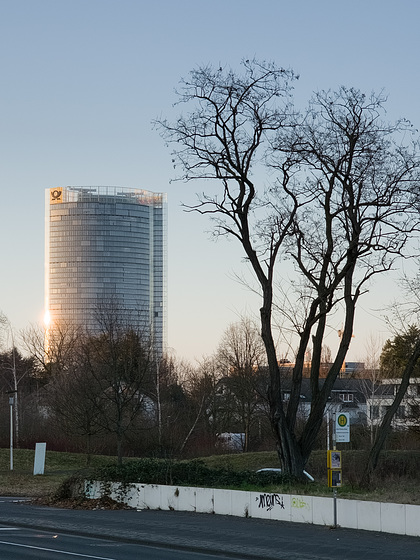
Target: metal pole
(335,508)
(335,489)
(328,430)
(11,432)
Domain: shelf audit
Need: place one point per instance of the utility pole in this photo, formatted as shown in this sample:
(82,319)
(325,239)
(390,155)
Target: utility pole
(11,402)
(5,323)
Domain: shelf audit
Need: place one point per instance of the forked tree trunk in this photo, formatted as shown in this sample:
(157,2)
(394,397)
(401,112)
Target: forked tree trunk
(290,456)
(294,453)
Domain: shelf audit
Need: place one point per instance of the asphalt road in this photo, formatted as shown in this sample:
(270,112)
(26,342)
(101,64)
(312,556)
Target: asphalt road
(129,534)
(30,544)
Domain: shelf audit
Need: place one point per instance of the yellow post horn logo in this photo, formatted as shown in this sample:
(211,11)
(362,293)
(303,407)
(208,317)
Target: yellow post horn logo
(56,196)
(342,420)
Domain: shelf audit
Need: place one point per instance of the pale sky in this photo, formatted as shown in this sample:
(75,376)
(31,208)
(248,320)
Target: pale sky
(81,81)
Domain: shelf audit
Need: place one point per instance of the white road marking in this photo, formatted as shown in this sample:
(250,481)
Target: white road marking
(56,551)
(17,501)
(10,529)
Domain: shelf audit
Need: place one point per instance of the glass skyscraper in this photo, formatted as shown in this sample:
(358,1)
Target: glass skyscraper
(106,245)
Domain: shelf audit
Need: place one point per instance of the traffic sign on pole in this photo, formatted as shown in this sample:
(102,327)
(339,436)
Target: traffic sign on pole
(342,427)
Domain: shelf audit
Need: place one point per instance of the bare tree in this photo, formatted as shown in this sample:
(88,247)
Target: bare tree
(241,355)
(385,426)
(182,399)
(120,362)
(74,398)
(5,324)
(52,349)
(172,406)
(15,380)
(399,359)
(339,205)
(370,380)
(201,386)
(17,367)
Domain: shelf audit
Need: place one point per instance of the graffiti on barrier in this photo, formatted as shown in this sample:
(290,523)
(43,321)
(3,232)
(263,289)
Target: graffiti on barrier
(268,501)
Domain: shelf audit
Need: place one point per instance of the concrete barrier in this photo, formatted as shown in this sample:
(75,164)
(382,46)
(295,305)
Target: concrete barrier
(402,519)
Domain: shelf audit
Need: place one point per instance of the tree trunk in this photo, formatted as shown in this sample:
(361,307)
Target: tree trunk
(88,449)
(187,437)
(294,453)
(385,427)
(119,434)
(288,450)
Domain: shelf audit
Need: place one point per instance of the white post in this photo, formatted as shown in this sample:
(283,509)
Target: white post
(11,432)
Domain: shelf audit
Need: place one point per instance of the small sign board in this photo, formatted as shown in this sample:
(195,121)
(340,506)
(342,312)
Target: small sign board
(334,478)
(334,459)
(342,427)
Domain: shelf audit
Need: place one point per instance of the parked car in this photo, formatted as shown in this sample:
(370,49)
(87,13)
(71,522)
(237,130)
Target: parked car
(308,476)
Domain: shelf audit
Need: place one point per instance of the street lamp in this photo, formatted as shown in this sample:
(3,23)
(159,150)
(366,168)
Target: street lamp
(11,402)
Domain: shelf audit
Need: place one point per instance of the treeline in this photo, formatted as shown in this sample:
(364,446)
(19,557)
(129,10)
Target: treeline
(109,392)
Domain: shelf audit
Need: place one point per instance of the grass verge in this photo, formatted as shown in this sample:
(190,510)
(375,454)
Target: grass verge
(398,478)
(58,467)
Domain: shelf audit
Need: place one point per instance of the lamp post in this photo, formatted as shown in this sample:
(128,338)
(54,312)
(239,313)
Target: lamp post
(11,402)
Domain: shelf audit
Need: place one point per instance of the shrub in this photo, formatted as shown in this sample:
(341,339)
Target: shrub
(186,473)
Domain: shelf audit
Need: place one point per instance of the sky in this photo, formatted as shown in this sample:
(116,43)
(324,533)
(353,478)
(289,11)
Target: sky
(81,82)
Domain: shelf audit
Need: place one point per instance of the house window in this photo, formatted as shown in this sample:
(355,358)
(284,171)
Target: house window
(346,397)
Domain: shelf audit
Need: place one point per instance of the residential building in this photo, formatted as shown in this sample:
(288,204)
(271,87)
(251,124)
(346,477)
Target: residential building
(347,395)
(408,412)
(103,245)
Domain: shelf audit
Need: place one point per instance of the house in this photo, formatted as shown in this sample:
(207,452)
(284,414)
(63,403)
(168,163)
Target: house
(230,441)
(348,395)
(382,397)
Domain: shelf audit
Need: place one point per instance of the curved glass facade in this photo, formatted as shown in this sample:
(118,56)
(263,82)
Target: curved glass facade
(106,244)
